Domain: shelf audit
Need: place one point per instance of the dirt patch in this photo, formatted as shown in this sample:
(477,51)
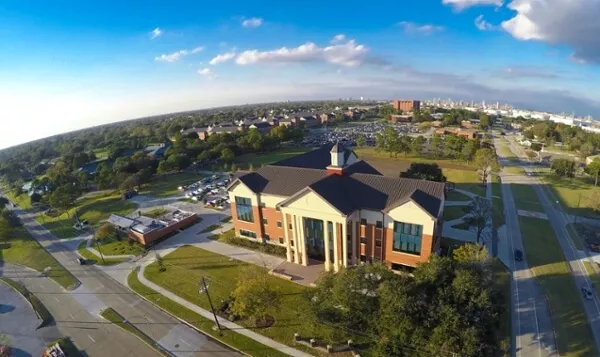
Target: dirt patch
(394,166)
(267,322)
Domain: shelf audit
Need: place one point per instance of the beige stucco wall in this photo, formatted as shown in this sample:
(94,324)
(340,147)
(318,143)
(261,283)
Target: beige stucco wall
(410,213)
(271,200)
(242,190)
(311,205)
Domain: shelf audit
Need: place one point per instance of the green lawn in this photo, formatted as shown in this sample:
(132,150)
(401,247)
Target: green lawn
(187,265)
(23,249)
(257,160)
(234,339)
(456,196)
(165,186)
(526,198)
(574,194)
(467,180)
(514,170)
(111,315)
(546,259)
(95,209)
(370,153)
(87,255)
(120,247)
(454,212)
(503,150)
(21,200)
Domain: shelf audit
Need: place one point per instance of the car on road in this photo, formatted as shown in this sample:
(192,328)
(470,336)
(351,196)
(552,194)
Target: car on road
(81,261)
(587,293)
(518,255)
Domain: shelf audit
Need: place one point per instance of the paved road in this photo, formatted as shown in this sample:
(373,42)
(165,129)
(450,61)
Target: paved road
(99,291)
(90,333)
(532,333)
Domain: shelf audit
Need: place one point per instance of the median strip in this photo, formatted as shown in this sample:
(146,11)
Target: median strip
(39,308)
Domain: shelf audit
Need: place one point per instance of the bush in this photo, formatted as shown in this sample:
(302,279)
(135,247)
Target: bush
(263,247)
(106,232)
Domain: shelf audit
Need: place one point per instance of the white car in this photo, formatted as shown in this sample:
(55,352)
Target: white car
(195,198)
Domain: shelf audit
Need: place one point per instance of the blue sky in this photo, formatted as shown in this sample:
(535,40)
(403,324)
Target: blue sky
(66,65)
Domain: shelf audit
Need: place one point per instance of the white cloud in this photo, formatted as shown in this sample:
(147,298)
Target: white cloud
(155,33)
(483,25)
(252,22)
(571,23)
(176,56)
(348,54)
(463,4)
(426,29)
(522,72)
(338,38)
(222,58)
(207,73)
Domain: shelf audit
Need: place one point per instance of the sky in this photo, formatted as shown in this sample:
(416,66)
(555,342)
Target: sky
(66,65)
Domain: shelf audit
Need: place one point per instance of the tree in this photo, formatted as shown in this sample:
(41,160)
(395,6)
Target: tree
(469,149)
(3,202)
(35,197)
(593,169)
(253,296)
(63,198)
(485,121)
(164,167)
(485,160)
(360,142)
(131,182)
(563,167)
(471,254)
(423,171)
(227,155)
(479,215)
(436,144)
(530,154)
(233,168)
(416,146)
(424,126)
(388,141)
(106,232)
(586,150)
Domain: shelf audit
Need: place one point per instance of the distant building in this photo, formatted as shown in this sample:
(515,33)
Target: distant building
(92,166)
(468,134)
(146,230)
(406,105)
(156,150)
(262,126)
(400,118)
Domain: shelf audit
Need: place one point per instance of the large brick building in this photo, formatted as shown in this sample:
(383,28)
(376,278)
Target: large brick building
(329,206)
(406,105)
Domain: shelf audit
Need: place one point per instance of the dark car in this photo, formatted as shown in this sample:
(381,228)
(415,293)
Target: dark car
(587,293)
(81,261)
(518,255)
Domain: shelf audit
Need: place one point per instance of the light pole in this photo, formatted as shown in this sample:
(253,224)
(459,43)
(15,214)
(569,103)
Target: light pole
(99,251)
(204,289)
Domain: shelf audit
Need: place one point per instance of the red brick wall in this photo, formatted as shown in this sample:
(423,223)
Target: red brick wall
(255,226)
(272,216)
(148,238)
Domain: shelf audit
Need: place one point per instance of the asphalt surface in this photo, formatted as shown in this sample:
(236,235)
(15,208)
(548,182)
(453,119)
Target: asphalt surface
(532,333)
(99,291)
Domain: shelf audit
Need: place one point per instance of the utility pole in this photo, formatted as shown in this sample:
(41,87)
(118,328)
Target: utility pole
(204,289)
(99,251)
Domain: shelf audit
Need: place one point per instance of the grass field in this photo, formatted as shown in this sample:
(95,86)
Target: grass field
(467,180)
(454,212)
(95,209)
(514,170)
(234,339)
(503,150)
(120,247)
(87,255)
(21,200)
(544,255)
(526,198)
(257,160)
(456,196)
(574,194)
(165,186)
(187,265)
(111,315)
(23,249)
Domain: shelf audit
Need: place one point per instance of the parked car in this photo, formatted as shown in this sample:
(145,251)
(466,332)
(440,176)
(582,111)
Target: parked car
(81,261)
(129,194)
(587,293)
(518,255)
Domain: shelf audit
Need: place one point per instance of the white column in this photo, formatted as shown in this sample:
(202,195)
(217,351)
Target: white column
(286,236)
(303,242)
(345,243)
(336,259)
(354,245)
(295,238)
(327,267)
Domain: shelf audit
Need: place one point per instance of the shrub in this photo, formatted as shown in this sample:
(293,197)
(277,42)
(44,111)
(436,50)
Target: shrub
(254,245)
(106,232)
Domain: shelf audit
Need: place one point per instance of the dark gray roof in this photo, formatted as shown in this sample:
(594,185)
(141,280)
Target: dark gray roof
(281,181)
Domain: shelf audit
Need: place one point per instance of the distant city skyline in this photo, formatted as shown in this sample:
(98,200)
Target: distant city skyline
(66,66)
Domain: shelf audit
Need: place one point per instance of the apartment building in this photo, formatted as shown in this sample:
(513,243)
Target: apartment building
(329,206)
(406,105)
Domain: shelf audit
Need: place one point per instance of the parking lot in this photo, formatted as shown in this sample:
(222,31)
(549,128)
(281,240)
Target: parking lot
(349,134)
(210,191)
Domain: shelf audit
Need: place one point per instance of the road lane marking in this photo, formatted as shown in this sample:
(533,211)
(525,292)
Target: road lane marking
(55,298)
(121,300)
(72,318)
(91,338)
(149,319)
(135,303)
(182,340)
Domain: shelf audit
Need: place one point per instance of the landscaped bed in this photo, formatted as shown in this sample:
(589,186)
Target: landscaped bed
(91,257)
(546,259)
(187,265)
(230,238)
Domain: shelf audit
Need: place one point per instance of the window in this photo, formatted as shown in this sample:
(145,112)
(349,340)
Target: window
(363,240)
(280,240)
(279,225)
(243,207)
(378,243)
(290,225)
(292,242)
(363,221)
(245,233)
(265,222)
(407,238)
(379,224)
